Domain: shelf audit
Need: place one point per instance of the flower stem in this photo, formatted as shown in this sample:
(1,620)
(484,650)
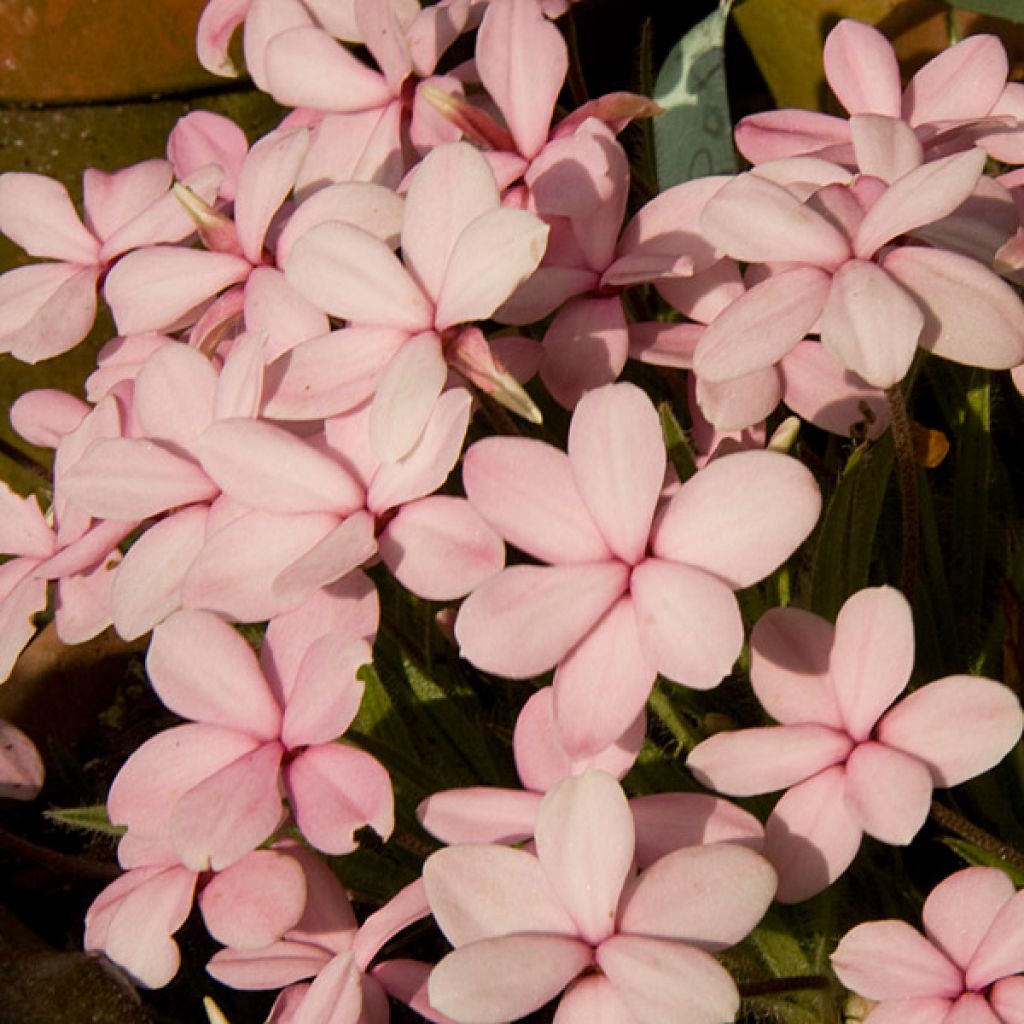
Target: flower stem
(904,445)
(773,986)
(953,822)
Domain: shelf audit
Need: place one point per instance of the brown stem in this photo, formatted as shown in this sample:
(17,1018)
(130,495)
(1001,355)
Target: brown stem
(774,986)
(953,822)
(57,863)
(907,476)
(20,458)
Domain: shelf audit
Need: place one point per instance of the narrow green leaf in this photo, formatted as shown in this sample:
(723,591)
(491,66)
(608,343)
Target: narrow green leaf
(978,857)
(378,717)
(693,137)
(1010,10)
(846,541)
(678,446)
(89,819)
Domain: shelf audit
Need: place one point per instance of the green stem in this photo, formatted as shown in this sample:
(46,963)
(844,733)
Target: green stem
(774,986)
(953,822)
(662,707)
(907,476)
(20,458)
(59,864)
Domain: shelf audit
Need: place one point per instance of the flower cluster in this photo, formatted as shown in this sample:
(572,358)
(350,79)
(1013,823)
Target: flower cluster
(310,327)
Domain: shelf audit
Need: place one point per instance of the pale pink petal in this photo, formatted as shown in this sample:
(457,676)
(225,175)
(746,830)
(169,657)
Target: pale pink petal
(440,548)
(46,309)
(326,694)
(1007,999)
(334,790)
(728,499)
(268,468)
(44,415)
(750,761)
(328,919)
(708,896)
(585,347)
(151,289)
(36,213)
(82,602)
(480,892)
(585,840)
(618,461)
(406,395)
(789,655)
(592,999)
(962,907)
(821,390)
(23,529)
(543,292)
(166,767)
(870,324)
(666,822)
(112,201)
(501,979)
(273,309)
(138,932)
(174,394)
(235,571)
(240,385)
(733,405)
(305,67)
(522,621)
(21,767)
(22,597)
(349,545)
(373,208)
(451,188)
(928,193)
(201,138)
(760,327)
(217,24)
(349,273)
(147,585)
(255,901)
(872,656)
(480,814)
(665,344)
(330,374)
(601,686)
(811,836)
(202,669)
(861,68)
(280,963)
(757,221)
(971,1008)
(661,981)
(336,995)
(266,178)
(923,1010)
(524,88)
(971,315)
(962,82)
(1001,951)
(885,147)
(541,758)
(688,620)
(890,960)
(229,813)
(526,490)
(889,792)
(424,469)
(490,257)
(776,134)
(958,727)
(125,479)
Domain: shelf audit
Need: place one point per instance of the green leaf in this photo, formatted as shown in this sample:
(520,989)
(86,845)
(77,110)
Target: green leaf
(89,819)
(679,451)
(846,548)
(1011,10)
(378,717)
(693,137)
(978,857)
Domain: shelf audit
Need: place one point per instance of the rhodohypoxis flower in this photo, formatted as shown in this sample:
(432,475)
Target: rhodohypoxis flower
(462,256)
(850,765)
(958,98)
(967,967)
(626,593)
(832,264)
(215,785)
(525,926)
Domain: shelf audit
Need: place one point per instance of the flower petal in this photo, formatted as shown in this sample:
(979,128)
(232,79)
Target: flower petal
(889,792)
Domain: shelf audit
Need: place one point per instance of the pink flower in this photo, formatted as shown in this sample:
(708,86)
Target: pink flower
(525,926)
(629,590)
(21,767)
(850,765)
(966,968)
